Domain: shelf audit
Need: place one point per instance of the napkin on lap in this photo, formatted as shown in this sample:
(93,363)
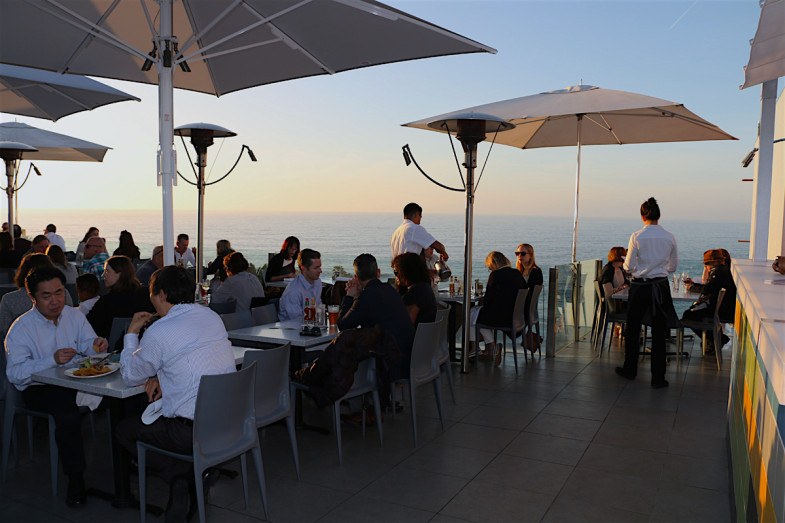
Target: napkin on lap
(152,412)
(91,401)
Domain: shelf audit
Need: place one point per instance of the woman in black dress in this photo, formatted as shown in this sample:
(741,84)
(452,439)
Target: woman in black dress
(128,247)
(282,265)
(414,284)
(498,303)
(126,296)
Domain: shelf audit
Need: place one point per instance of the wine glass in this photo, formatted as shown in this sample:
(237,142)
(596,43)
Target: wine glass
(205,286)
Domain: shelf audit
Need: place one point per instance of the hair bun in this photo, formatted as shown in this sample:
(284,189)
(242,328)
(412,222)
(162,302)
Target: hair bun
(652,201)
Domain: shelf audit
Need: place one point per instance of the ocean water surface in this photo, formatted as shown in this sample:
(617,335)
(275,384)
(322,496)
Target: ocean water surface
(342,236)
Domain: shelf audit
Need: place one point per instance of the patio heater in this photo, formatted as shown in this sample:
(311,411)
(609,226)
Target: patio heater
(470,129)
(202,136)
(11,152)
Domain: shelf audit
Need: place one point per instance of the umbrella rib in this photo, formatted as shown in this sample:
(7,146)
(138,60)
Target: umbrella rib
(19,92)
(67,96)
(605,126)
(94,30)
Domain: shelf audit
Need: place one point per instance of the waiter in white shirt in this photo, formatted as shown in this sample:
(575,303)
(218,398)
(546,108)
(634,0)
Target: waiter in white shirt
(651,257)
(410,236)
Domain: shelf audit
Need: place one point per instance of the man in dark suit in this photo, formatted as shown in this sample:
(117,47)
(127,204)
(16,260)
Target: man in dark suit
(21,245)
(370,302)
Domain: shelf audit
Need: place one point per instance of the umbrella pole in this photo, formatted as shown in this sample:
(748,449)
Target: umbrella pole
(166,130)
(470,159)
(577,195)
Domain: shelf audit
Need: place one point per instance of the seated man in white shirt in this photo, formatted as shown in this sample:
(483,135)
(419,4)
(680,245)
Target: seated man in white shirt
(54,239)
(410,236)
(182,254)
(186,343)
(306,285)
(48,335)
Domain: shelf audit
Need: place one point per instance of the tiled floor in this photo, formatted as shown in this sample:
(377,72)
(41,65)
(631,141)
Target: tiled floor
(565,440)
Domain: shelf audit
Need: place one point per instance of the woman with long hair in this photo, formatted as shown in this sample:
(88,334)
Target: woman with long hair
(504,282)
(531,272)
(222,249)
(92,231)
(124,298)
(57,256)
(414,284)
(283,265)
(127,247)
(18,302)
(612,272)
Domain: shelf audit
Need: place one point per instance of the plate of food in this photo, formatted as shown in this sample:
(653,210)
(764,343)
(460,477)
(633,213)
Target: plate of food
(88,369)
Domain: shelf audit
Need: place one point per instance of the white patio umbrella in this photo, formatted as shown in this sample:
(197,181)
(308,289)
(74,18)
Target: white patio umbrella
(216,46)
(20,141)
(48,95)
(767,52)
(557,118)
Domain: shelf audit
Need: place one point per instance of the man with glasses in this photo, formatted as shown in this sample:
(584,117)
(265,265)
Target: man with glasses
(410,236)
(48,335)
(94,257)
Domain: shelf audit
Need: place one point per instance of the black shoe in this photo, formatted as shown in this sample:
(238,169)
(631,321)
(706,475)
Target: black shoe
(179,501)
(75,496)
(621,371)
(659,384)
(724,340)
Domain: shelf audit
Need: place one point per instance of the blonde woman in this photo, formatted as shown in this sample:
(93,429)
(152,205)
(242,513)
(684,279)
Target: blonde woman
(531,272)
(499,301)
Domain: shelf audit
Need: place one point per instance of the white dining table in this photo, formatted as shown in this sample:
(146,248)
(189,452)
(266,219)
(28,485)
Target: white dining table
(681,295)
(279,333)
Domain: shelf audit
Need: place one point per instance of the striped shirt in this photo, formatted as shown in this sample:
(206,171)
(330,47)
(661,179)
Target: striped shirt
(187,343)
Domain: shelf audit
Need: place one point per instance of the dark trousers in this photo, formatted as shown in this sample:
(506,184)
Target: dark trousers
(166,433)
(654,298)
(61,404)
(699,315)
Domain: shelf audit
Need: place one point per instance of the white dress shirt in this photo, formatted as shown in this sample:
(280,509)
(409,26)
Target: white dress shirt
(56,239)
(186,259)
(651,253)
(239,288)
(292,300)
(33,340)
(186,344)
(410,237)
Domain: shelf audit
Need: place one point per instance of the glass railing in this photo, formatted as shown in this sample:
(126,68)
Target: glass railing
(571,304)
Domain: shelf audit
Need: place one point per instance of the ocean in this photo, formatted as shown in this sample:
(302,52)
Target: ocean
(342,236)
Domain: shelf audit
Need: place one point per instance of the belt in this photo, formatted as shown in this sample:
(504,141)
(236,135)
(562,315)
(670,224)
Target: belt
(184,421)
(648,280)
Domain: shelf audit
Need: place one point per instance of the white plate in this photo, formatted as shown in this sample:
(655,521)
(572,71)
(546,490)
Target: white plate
(113,367)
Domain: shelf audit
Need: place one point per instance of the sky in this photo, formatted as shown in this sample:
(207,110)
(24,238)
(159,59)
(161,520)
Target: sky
(333,143)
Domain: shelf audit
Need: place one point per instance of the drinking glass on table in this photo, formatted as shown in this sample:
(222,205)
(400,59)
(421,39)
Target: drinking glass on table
(332,313)
(204,286)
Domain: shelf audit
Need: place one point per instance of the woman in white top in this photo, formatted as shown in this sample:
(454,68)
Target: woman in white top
(240,285)
(57,256)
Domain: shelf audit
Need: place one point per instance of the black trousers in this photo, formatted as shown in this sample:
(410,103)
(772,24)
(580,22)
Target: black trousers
(699,315)
(650,299)
(61,404)
(166,433)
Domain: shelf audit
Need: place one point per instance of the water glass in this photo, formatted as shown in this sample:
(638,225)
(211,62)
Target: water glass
(675,283)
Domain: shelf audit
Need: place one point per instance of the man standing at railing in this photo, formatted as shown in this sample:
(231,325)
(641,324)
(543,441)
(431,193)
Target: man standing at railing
(651,257)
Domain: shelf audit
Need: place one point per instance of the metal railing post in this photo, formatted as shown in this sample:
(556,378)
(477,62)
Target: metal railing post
(553,292)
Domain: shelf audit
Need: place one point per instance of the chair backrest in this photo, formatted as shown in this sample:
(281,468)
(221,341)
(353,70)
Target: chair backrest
(224,307)
(364,378)
(720,297)
(424,367)
(224,417)
(257,301)
(534,309)
(607,293)
(237,320)
(264,314)
(71,288)
(271,394)
(519,311)
(443,347)
(119,327)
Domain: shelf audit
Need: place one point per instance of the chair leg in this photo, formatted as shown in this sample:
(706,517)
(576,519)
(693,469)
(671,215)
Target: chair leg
(30,437)
(437,391)
(293,441)
(539,343)
(448,371)
(259,466)
(377,410)
(413,410)
(199,487)
(141,461)
(337,429)
(53,455)
(717,346)
(514,352)
(244,472)
(8,433)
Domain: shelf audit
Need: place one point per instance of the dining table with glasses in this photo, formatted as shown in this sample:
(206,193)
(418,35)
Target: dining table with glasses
(111,387)
(452,318)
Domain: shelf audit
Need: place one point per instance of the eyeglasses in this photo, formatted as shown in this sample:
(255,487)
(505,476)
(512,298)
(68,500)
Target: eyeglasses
(521,253)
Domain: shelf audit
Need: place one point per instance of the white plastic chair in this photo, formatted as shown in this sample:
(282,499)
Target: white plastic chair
(237,320)
(443,349)
(264,314)
(272,392)
(224,428)
(517,326)
(119,328)
(533,321)
(714,325)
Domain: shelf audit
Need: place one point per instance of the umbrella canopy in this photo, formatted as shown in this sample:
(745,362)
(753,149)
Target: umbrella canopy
(588,115)
(48,95)
(51,146)
(767,53)
(216,46)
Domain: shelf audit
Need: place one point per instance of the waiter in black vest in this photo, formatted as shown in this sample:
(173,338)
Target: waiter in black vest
(651,257)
